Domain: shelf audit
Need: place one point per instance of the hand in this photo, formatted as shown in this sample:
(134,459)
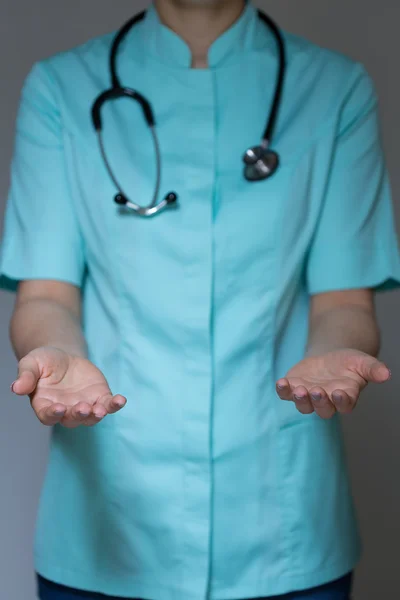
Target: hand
(65,389)
(331,382)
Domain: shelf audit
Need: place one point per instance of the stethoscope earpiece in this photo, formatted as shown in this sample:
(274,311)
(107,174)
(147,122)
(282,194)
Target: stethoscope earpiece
(171,198)
(120,199)
(260,163)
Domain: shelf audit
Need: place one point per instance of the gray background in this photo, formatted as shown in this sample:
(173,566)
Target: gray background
(364,29)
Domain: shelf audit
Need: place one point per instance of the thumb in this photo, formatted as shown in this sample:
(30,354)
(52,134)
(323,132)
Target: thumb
(373,370)
(28,376)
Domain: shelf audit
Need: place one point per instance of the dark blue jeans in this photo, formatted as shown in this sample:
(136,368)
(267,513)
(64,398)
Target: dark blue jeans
(337,590)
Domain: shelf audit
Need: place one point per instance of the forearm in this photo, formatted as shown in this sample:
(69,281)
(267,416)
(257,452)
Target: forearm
(44,322)
(347,326)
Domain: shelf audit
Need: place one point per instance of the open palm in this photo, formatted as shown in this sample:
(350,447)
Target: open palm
(65,388)
(331,382)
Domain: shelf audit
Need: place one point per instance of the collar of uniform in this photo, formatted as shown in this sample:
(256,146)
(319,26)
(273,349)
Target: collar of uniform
(165,45)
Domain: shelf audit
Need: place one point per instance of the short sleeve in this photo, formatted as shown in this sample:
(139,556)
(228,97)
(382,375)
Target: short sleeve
(355,243)
(41,238)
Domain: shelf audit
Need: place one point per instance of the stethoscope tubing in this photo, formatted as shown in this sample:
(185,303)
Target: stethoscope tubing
(260,161)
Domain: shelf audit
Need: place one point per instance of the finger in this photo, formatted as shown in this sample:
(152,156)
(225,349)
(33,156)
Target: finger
(373,370)
(379,372)
(98,413)
(302,400)
(322,403)
(117,403)
(343,402)
(45,408)
(28,377)
(283,389)
(48,412)
(80,411)
(111,403)
(93,419)
(76,415)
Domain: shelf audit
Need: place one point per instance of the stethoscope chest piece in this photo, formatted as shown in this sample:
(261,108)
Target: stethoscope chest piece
(260,163)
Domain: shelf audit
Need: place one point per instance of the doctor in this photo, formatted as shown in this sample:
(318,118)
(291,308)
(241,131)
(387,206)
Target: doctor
(232,328)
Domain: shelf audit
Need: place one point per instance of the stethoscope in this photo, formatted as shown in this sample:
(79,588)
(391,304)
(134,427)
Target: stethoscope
(260,162)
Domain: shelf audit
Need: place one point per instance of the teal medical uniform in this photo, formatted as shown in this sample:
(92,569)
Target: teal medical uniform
(206,485)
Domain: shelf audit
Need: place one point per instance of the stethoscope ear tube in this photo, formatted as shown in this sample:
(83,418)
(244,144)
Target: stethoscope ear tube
(170,199)
(121,92)
(121,198)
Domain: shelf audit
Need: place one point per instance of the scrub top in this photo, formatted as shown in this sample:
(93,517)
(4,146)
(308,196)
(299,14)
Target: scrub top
(206,485)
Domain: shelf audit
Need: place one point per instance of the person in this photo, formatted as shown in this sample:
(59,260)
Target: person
(194,365)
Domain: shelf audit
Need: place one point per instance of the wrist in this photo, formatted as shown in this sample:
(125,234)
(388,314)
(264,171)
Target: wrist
(315,350)
(72,350)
